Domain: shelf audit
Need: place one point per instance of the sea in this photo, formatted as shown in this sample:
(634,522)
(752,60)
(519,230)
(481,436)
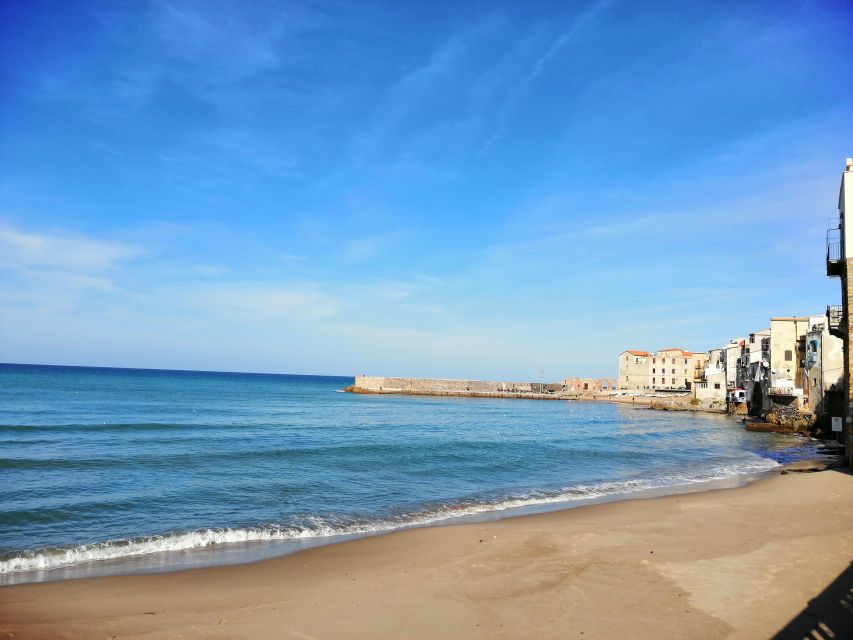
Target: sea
(106,471)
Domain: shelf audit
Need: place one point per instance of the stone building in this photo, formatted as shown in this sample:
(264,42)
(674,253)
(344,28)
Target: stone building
(823,371)
(839,260)
(786,373)
(675,368)
(587,385)
(667,369)
(634,369)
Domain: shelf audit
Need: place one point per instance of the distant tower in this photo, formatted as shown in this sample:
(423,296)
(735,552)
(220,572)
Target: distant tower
(839,263)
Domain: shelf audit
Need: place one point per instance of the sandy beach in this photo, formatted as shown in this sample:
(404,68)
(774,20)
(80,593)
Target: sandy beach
(730,563)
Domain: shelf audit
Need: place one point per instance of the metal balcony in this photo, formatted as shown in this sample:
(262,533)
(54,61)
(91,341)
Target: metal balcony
(834,250)
(835,321)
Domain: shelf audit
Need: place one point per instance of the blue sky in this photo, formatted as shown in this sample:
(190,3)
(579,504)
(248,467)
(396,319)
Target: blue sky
(434,189)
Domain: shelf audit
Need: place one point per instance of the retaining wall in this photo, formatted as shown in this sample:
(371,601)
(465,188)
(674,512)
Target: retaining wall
(435,386)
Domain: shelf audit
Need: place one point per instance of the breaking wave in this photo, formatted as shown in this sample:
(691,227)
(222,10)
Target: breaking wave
(55,558)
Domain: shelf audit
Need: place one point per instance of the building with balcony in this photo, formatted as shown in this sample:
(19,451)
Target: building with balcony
(712,387)
(666,370)
(729,357)
(839,260)
(674,368)
(823,372)
(787,337)
(753,370)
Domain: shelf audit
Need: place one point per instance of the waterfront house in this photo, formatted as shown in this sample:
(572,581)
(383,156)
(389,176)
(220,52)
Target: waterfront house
(823,371)
(634,369)
(712,385)
(753,369)
(839,254)
(673,369)
(729,357)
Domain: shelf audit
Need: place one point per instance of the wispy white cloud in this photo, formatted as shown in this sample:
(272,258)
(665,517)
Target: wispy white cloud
(228,156)
(415,90)
(22,249)
(523,85)
(370,247)
(241,42)
(262,304)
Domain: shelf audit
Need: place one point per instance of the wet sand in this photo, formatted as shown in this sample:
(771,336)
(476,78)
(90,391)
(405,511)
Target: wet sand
(730,563)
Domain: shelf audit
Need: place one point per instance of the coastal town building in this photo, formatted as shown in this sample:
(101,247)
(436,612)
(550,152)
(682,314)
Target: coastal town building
(823,371)
(634,368)
(839,259)
(793,369)
(675,368)
(672,369)
(752,371)
(711,388)
(587,385)
(729,358)
(786,376)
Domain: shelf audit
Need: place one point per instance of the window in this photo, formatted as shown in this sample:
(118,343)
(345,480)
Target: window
(685,360)
(716,385)
(752,338)
(673,381)
(673,361)
(654,380)
(673,372)
(653,370)
(788,355)
(654,360)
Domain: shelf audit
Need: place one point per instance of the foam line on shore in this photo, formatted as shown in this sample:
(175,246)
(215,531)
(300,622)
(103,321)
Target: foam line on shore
(48,559)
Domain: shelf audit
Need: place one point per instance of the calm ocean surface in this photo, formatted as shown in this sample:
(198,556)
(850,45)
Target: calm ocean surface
(109,470)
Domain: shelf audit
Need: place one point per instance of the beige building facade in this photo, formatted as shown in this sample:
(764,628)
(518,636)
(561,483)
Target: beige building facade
(786,336)
(676,368)
(823,371)
(634,369)
(667,369)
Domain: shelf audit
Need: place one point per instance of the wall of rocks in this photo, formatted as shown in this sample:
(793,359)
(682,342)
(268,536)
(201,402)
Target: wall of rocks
(786,412)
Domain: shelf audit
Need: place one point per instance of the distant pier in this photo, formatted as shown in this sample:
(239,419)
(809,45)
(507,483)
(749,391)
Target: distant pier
(467,388)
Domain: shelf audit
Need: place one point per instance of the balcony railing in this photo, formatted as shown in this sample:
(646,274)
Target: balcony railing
(835,320)
(834,249)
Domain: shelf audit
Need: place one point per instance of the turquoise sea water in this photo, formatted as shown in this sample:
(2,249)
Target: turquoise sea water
(105,470)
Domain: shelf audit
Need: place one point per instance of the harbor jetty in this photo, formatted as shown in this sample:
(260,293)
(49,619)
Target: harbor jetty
(569,388)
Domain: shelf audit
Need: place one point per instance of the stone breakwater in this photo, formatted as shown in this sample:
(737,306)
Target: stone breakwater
(465,388)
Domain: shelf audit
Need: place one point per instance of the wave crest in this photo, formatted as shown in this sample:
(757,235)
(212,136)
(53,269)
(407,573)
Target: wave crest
(48,559)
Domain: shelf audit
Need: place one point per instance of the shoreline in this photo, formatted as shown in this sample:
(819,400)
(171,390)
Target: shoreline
(604,396)
(258,550)
(745,560)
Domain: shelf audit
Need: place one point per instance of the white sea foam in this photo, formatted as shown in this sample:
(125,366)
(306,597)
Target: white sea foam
(44,560)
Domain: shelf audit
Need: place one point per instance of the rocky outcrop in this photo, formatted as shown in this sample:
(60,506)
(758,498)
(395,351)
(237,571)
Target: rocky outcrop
(790,416)
(667,406)
(738,409)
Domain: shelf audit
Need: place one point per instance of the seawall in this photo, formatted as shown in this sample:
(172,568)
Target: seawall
(463,388)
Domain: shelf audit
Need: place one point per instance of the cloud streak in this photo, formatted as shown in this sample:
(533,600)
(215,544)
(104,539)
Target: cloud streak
(21,249)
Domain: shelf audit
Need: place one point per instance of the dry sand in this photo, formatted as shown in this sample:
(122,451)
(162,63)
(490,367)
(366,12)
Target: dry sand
(732,563)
